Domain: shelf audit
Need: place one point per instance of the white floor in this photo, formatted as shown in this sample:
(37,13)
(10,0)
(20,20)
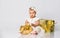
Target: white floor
(13,33)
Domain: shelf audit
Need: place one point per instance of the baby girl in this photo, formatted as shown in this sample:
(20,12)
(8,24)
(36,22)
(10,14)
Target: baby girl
(34,22)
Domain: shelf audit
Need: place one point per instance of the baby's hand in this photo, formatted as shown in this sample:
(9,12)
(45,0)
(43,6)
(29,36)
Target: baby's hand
(26,22)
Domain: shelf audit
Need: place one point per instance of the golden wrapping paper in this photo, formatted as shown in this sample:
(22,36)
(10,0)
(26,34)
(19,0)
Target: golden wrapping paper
(26,29)
(47,25)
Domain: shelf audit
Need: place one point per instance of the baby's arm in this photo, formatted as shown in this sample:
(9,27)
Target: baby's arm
(36,23)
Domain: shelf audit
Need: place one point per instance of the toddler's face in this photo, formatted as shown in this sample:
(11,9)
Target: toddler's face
(32,13)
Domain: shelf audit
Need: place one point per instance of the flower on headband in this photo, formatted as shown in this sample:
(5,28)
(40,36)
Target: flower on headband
(33,8)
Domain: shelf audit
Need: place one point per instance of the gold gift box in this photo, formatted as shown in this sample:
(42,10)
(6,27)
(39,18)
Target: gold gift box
(47,25)
(26,29)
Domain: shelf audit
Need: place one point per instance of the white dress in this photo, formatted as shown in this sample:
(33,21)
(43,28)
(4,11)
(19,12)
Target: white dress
(41,32)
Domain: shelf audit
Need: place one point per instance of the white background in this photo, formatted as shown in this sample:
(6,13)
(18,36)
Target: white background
(14,12)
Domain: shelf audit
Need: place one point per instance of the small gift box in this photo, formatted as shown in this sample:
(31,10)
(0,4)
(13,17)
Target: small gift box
(26,29)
